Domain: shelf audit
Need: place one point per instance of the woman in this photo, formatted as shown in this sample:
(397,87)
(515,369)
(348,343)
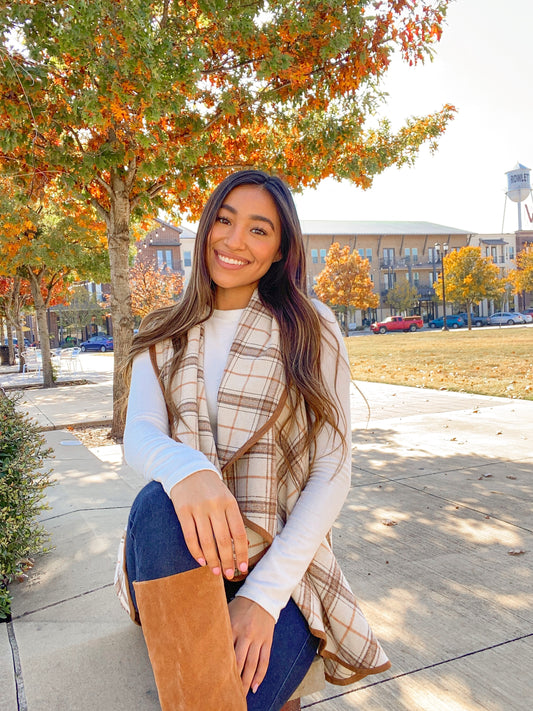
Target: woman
(239,418)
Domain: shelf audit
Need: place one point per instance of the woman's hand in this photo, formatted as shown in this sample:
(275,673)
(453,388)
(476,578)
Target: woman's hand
(211,522)
(253,629)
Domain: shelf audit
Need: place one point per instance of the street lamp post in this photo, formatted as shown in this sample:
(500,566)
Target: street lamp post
(442,254)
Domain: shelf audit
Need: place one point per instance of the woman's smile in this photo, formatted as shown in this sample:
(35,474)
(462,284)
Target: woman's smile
(229,260)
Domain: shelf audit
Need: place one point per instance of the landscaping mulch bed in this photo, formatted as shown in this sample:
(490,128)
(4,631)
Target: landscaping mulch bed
(97,436)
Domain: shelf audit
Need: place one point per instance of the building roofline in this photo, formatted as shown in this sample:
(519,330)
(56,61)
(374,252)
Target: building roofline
(359,227)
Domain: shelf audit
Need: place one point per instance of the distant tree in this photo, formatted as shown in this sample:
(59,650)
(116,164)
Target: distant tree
(132,103)
(14,297)
(345,281)
(521,278)
(469,278)
(48,245)
(152,287)
(402,297)
(79,311)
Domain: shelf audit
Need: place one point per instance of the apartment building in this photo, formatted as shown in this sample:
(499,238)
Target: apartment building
(162,247)
(395,250)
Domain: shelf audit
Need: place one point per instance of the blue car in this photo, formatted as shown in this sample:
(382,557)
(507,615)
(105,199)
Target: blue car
(451,322)
(97,343)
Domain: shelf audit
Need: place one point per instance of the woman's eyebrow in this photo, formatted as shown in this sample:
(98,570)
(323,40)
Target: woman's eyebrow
(261,218)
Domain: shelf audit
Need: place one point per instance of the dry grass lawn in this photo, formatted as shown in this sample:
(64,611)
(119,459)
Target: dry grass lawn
(492,361)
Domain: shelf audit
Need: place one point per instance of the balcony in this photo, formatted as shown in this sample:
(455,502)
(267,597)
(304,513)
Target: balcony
(408,263)
(425,292)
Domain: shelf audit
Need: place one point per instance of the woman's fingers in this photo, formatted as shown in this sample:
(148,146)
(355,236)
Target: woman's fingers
(190,535)
(249,667)
(211,522)
(239,538)
(261,668)
(253,629)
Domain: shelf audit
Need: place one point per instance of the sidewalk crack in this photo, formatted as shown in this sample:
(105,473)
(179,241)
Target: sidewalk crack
(22,704)
(420,669)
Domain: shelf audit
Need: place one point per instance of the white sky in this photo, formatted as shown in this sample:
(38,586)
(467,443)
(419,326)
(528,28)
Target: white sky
(484,67)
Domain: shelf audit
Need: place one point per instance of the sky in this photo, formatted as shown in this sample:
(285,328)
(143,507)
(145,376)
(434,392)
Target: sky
(484,67)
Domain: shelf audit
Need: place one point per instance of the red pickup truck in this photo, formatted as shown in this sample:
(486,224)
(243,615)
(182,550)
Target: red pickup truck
(397,323)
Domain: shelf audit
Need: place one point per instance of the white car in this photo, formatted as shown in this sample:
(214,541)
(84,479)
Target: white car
(506,318)
(528,318)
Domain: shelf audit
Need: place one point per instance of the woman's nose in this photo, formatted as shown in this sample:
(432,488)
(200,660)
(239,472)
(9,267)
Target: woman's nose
(235,237)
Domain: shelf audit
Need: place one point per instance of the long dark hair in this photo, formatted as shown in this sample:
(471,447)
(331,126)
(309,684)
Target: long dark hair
(282,291)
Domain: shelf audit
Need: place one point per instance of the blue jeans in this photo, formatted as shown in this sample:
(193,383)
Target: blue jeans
(155,548)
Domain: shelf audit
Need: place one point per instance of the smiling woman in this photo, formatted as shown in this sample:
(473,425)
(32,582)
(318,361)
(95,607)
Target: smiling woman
(239,418)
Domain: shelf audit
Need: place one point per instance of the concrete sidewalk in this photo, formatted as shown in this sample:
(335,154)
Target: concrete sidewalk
(442,491)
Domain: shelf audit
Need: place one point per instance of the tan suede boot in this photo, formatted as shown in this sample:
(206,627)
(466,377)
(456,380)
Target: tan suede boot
(186,625)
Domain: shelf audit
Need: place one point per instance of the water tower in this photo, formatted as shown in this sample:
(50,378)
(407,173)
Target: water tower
(518,187)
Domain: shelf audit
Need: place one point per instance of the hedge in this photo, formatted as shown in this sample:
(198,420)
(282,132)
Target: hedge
(23,481)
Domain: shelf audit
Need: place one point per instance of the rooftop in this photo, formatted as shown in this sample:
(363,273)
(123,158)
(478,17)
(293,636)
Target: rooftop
(354,227)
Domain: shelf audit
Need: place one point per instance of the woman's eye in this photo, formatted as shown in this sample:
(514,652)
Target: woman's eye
(222,219)
(259,231)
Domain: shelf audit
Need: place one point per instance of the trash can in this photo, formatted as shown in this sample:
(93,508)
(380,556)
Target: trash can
(4,355)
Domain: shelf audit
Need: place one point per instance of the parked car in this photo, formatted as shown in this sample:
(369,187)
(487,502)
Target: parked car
(397,323)
(507,318)
(452,321)
(15,343)
(528,318)
(97,343)
(474,319)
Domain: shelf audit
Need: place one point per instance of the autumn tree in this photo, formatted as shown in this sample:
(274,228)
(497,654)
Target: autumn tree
(151,101)
(152,288)
(79,310)
(345,281)
(521,278)
(402,297)
(469,278)
(48,245)
(14,297)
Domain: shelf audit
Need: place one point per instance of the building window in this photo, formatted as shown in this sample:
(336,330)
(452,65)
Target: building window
(314,256)
(433,255)
(361,253)
(323,256)
(187,259)
(369,254)
(388,255)
(416,279)
(511,252)
(164,258)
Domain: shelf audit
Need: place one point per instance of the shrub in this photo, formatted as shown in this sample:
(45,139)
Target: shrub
(23,480)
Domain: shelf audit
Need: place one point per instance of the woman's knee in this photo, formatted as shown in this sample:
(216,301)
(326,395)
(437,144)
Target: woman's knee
(151,509)
(155,537)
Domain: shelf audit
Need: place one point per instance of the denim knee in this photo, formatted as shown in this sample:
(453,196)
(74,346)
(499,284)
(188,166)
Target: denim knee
(155,546)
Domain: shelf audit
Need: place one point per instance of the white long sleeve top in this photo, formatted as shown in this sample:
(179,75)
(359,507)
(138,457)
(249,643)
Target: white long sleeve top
(150,450)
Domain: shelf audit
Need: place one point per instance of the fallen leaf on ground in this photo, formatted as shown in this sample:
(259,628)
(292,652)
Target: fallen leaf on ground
(510,476)
(485,476)
(389,522)
(516,551)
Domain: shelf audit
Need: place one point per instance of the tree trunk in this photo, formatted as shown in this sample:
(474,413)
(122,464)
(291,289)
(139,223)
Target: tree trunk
(10,344)
(20,339)
(118,237)
(42,329)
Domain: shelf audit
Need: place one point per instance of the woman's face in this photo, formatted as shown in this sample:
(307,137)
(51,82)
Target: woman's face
(243,243)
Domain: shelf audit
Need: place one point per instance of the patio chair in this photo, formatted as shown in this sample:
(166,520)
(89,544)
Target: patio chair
(32,361)
(70,360)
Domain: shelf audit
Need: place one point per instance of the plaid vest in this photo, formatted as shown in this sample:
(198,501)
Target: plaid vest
(252,406)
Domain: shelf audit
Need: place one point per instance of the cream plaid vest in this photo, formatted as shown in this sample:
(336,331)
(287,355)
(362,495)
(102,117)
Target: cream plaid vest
(252,405)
